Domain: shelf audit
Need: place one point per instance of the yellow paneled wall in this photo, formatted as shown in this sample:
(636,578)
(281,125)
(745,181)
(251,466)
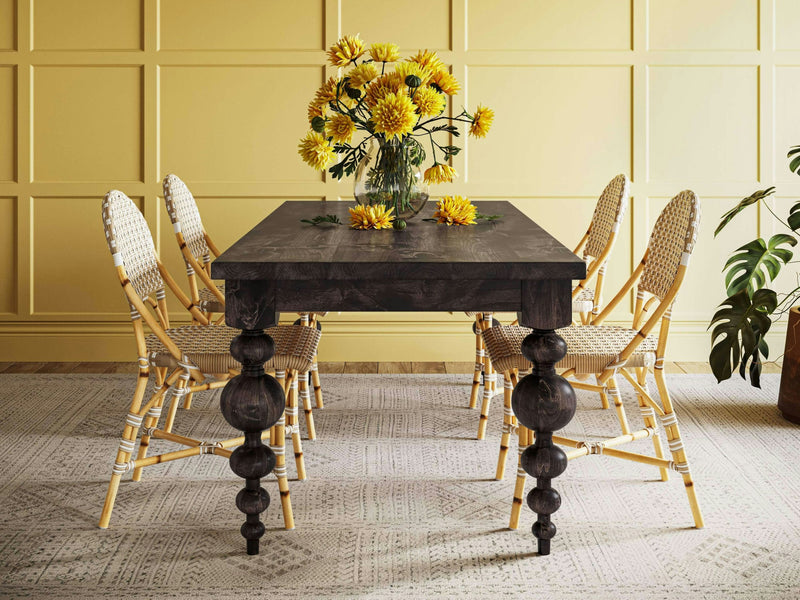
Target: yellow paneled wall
(100,94)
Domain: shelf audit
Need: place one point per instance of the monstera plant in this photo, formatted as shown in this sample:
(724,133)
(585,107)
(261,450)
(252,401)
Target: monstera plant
(746,315)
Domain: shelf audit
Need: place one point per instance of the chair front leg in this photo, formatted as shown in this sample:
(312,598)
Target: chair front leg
(614,393)
(480,360)
(305,397)
(508,426)
(649,418)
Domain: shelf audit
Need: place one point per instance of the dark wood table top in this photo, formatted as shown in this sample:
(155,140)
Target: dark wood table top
(282,248)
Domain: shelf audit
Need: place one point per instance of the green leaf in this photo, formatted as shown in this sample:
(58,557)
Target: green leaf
(740,324)
(755,263)
(751,199)
(794,166)
(319,219)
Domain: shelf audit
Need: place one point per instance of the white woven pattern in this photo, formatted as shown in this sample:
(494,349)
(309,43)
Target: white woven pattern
(584,301)
(609,212)
(674,235)
(129,238)
(182,209)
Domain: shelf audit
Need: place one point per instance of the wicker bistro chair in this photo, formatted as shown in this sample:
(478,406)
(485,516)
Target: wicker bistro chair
(182,357)
(607,351)
(595,246)
(196,248)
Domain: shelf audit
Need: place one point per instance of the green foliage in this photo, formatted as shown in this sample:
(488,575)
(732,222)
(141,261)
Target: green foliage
(320,219)
(751,199)
(756,263)
(794,156)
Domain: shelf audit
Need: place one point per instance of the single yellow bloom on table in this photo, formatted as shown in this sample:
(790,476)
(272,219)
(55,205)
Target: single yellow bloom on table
(445,82)
(384,52)
(429,102)
(376,216)
(341,128)
(389,83)
(404,69)
(427,59)
(394,115)
(439,173)
(455,210)
(481,122)
(315,150)
(362,74)
(346,50)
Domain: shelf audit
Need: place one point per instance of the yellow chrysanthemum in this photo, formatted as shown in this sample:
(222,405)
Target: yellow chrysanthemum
(327,93)
(429,102)
(440,173)
(316,111)
(341,128)
(362,74)
(394,115)
(384,52)
(445,82)
(316,150)
(390,83)
(455,210)
(404,69)
(346,50)
(376,216)
(481,121)
(427,59)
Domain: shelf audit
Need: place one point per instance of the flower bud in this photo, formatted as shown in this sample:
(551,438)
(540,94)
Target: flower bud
(354,93)
(318,124)
(413,81)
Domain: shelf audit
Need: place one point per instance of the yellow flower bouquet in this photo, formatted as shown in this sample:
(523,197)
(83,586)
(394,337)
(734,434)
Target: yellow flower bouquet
(396,105)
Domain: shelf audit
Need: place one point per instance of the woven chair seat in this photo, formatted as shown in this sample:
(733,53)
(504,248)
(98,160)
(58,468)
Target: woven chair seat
(208,347)
(590,348)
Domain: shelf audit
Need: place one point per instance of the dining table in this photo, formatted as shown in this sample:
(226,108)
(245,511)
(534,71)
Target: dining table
(510,264)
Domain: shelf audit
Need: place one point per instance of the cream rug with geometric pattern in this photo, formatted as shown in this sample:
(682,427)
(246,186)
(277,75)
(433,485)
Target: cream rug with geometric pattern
(400,502)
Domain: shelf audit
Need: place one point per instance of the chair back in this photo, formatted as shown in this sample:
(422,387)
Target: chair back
(671,243)
(131,244)
(607,217)
(185,217)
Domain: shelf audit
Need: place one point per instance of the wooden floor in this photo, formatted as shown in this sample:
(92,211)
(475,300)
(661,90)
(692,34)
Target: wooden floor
(329,367)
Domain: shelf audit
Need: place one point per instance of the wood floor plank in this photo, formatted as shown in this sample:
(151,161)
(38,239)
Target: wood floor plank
(771,367)
(331,367)
(458,368)
(5,365)
(93,367)
(58,367)
(694,367)
(360,367)
(394,368)
(672,367)
(24,367)
(123,367)
(428,367)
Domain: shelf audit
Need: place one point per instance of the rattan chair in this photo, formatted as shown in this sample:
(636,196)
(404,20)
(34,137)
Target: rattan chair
(595,246)
(182,357)
(196,247)
(607,351)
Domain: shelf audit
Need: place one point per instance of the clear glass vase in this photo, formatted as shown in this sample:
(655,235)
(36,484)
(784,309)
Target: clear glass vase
(387,175)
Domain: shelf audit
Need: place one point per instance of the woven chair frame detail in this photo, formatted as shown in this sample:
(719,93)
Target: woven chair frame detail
(185,217)
(608,215)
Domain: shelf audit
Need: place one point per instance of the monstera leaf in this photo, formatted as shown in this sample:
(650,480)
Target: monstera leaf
(740,325)
(794,163)
(751,199)
(757,262)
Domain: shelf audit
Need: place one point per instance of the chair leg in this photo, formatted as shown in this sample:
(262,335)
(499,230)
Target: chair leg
(603,395)
(480,355)
(277,441)
(649,418)
(525,440)
(670,423)
(187,400)
(508,426)
(488,391)
(613,391)
(317,385)
(152,417)
(293,424)
(305,396)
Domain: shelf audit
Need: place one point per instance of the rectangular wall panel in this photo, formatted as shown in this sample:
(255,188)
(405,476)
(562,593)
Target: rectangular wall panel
(703,24)
(87,25)
(87,123)
(551,140)
(241,25)
(547,25)
(236,123)
(412,24)
(8,255)
(72,267)
(8,124)
(787,123)
(703,124)
(787,24)
(8,24)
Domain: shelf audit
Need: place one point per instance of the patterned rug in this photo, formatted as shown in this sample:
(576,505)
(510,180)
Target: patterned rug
(400,502)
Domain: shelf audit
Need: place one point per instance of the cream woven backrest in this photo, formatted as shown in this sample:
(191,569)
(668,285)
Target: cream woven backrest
(185,217)
(131,243)
(608,214)
(671,243)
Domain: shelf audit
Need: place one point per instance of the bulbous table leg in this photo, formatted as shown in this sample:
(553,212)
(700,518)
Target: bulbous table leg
(544,402)
(252,402)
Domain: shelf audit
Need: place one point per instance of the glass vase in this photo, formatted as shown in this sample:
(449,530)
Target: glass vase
(387,175)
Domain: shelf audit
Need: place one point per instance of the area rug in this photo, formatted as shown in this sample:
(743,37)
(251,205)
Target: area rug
(400,502)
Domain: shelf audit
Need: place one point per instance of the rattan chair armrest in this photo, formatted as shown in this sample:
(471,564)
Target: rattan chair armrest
(211,245)
(182,297)
(622,292)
